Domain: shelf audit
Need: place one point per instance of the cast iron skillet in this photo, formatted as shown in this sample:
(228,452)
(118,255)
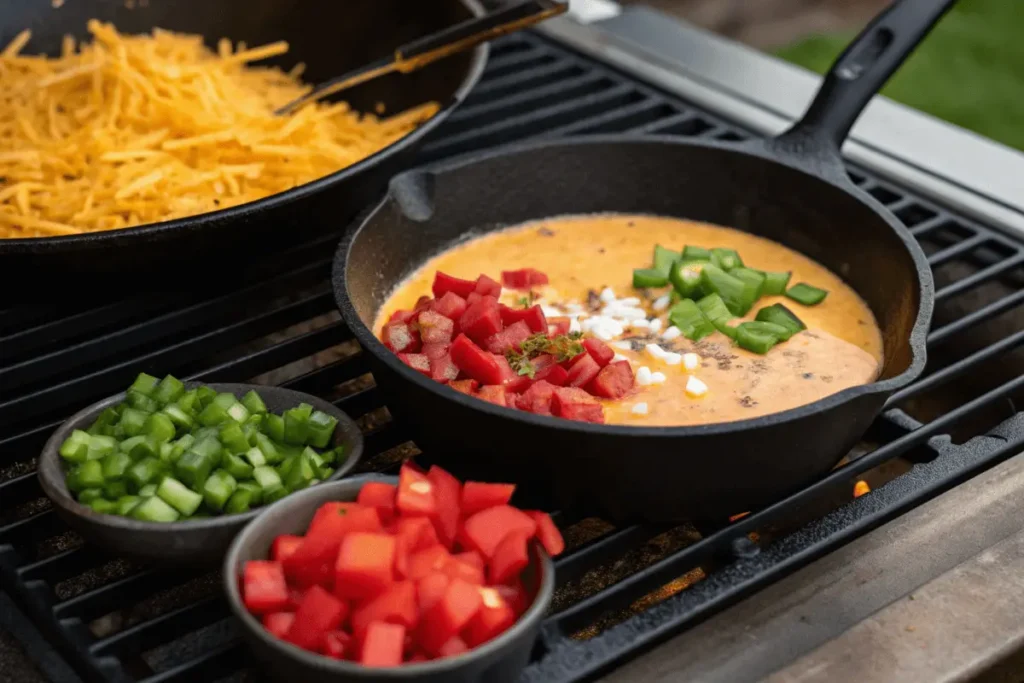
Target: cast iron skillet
(791,189)
(330,37)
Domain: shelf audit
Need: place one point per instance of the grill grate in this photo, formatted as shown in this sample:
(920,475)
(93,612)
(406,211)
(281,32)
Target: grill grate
(620,590)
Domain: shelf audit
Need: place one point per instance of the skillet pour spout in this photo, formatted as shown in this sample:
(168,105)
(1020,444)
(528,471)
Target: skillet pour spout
(793,190)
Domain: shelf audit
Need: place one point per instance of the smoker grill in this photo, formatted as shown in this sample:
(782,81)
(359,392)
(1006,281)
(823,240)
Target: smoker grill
(622,590)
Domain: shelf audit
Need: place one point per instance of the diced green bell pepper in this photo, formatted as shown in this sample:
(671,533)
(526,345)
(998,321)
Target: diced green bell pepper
(189,402)
(775,283)
(103,506)
(273,426)
(233,439)
(76,447)
(100,446)
(782,316)
(125,504)
(218,488)
(133,421)
(753,339)
(269,450)
(144,384)
(155,509)
(296,421)
(159,428)
(239,502)
(274,494)
(116,465)
(178,496)
(320,429)
(644,278)
(86,476)
(255,457)
(266,476)
(691,322)
(140,401)
(807,295)
(145,471)
(236,466)
(254,403)
(113,490)
(169,390)
(147,491)
(753,277)
(181,418)
(89,495)
(256,493)
(206,395)
(738,295)
(193,468)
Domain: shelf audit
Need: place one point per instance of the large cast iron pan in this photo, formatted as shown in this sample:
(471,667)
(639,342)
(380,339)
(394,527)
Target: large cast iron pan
(330,37)
(791,189)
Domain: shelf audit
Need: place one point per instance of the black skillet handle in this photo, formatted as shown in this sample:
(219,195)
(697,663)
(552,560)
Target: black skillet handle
(858,74)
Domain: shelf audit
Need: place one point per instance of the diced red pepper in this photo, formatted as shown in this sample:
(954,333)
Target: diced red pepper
(493,618)
(464,386)
(582,371)
(447,495)
(422,304)
(523,278)
(484,530)
(365,565)
(396,605)
(263,587)
(433,351)
(431,588)
(283,546)
(318,613)
(598,350)
(444,283)
(337,644)
(532,316)
(380,496)
(475,362)
(493,394)
(478,495)
(449,615)
(415,493)
(416,361)
(576,404)
(481,319)
(426,561)
(313,561)
(537,399)
(509,338)
(402,316)
(488,286)
(451,305)
(443,369)
(400,337)
(278,623)
(556,375)
(382,645)
(614,381)
(467,571)
(511,379)
(558,325)
(453,647)
(510,557)
(435,328)
(547,533)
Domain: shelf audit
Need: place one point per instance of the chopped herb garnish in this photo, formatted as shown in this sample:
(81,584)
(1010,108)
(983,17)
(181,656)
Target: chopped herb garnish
(562,347)
(527,301)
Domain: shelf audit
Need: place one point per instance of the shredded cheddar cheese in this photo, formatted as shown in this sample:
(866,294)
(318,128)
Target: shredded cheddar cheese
(130,130)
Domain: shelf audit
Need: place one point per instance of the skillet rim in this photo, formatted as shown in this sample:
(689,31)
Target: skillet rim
(147,231)
(758,147)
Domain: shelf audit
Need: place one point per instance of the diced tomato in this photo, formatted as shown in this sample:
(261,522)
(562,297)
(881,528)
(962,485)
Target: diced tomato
(365,565)
(435,328)
(464,386)
(451,305)
(412,535)
(523,279)
(337,644)
(449,615)
(532,316)
(431,588)
(447,495)
(558,325)
(433,351)
(471,557)
(547,533)
(402,316)
(283,546)
(380,496)
(515,595)
(426,561)
(422,304)
(415,493)
(400,337)
(576,404)
(452,647)
(614,381)
(493,618)
(475,362)
(556,375)
(416,361)
(473,297)
(396,605)
(278,623)
(313,561)
(263,586)
(485,529)
(492,394)
(511,379)
(510,557)
(582,371)
(537,399)
(509,338)
(467,571)
(597,349)
(318,613)
(511,400)
(488,286)
(444,283)
(477,495)
(481,319)
(295,596)
(382,645)
(443,369)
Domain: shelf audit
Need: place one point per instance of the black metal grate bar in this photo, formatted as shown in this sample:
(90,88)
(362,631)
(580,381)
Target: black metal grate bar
(55,361)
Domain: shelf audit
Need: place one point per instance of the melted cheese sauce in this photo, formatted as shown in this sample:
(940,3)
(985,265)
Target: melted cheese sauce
(582,255)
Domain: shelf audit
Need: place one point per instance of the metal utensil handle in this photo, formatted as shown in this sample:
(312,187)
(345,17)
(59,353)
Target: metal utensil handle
(864,67)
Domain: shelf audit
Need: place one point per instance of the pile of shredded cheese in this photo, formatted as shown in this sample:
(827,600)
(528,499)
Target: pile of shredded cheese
(130,130)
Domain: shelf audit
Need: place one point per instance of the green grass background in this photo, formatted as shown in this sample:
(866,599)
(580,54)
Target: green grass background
(969,71)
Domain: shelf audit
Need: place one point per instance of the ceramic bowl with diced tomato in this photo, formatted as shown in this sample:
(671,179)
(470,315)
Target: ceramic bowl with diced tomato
(386,578)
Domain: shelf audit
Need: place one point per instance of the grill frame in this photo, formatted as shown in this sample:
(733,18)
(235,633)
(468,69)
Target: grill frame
(588,98)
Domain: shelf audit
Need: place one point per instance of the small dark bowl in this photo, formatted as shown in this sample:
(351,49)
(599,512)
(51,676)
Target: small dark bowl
(498,661)
(199,542)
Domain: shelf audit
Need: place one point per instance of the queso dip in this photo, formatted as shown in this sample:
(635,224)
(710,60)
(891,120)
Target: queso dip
(589,262)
